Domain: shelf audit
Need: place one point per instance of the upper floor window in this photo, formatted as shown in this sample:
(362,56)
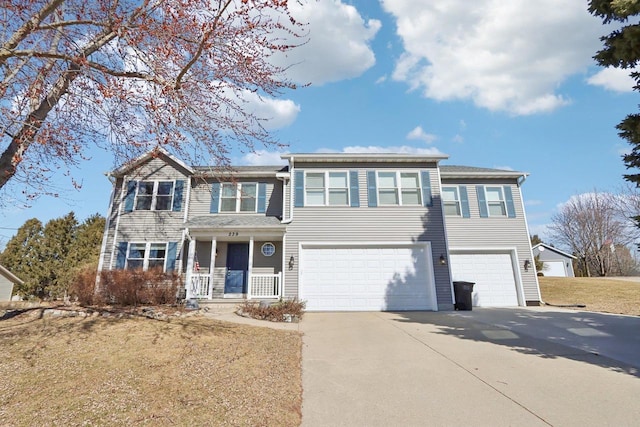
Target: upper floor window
(146,256)
(327,188)
(399,188)
(238,197)
(495,201)
(154,196)
(451,201)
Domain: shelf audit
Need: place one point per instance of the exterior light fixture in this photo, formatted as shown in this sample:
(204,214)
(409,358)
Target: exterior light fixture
(527,265)
(443,260)
(292,260)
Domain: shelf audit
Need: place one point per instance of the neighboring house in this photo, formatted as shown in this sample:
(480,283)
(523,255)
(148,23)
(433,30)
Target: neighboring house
(340,231)
(7,281)
(555,263)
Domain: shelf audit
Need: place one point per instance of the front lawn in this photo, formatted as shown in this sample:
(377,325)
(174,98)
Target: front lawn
(598,294)
(118,371)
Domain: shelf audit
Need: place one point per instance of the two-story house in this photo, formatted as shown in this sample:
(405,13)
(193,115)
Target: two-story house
(340,231)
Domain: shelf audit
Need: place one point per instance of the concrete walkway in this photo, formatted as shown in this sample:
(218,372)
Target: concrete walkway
(487,367)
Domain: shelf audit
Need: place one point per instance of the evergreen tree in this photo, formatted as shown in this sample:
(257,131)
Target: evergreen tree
(59,235)
(622,50)
(23,256)
(47,258)
(84,250)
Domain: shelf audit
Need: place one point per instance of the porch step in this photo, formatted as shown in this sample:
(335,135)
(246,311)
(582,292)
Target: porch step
(228,305)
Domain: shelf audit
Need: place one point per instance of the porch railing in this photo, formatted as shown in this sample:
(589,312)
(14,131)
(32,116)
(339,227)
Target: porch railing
(201,286)
(260,286)
(265,286)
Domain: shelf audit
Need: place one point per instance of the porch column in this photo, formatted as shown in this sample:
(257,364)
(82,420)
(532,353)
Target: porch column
(212,265)
(250,272)
(192,253)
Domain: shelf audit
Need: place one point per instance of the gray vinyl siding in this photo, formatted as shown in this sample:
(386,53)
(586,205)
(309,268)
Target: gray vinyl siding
(145,226)
(402,224)
(494,232)
(200,203)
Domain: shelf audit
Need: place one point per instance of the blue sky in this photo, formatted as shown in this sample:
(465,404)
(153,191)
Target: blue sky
(490,83)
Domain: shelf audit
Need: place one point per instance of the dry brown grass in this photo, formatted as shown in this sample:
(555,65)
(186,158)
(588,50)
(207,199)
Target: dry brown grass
(138,371)
(598,294)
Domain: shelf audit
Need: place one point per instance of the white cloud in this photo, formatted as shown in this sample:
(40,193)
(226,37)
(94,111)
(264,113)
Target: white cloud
(533,202)
(504,168)
(262,158)
(278,113)
(504,56)
(419,134)
(458,139)
(615,79)
(338,42)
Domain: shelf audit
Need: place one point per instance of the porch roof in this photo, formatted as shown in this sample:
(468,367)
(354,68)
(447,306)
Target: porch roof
(253,222)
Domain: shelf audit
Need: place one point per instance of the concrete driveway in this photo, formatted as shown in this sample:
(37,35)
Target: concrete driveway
(487,367)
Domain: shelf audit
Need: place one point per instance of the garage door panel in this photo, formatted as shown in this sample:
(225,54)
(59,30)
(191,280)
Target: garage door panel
(495,284)
(366,279)
(554,269)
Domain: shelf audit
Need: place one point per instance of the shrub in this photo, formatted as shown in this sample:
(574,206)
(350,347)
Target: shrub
(134,287)
(274,312)
(82,285)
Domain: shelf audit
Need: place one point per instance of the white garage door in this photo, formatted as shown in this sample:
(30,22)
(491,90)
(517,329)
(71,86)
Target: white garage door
(495,284)
(367,278)
(554,269)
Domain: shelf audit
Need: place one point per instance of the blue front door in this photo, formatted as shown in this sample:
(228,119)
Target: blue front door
(237,268)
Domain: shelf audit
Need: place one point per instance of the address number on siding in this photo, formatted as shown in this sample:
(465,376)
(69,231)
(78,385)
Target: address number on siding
(233,233)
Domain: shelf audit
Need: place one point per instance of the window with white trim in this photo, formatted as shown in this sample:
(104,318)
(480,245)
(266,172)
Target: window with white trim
(399,188)
(496,204)
(154,195)
(238,197)
(451,201)
(146,256)
(327,188)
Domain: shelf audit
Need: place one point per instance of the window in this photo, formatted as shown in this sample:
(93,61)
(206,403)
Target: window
(451,201)
(240,197)
(154,195)
(495,201)
(146,256)
(399,188)
(327,188)
(268,249)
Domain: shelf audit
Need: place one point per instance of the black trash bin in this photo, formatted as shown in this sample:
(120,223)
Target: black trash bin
(462,291)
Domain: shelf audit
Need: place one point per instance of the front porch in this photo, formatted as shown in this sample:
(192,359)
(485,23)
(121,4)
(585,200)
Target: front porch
(233,262)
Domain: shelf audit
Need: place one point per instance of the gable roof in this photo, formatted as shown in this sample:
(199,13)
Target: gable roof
(155,153)
(9,275)
(551,248)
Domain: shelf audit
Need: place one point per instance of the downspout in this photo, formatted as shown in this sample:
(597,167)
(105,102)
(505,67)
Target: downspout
(288,220)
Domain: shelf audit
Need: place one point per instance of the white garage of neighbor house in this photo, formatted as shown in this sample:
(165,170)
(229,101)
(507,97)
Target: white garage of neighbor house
(7,281)
(556,263)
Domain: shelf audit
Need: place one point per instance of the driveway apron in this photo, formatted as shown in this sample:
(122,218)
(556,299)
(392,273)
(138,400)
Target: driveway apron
(453,368)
